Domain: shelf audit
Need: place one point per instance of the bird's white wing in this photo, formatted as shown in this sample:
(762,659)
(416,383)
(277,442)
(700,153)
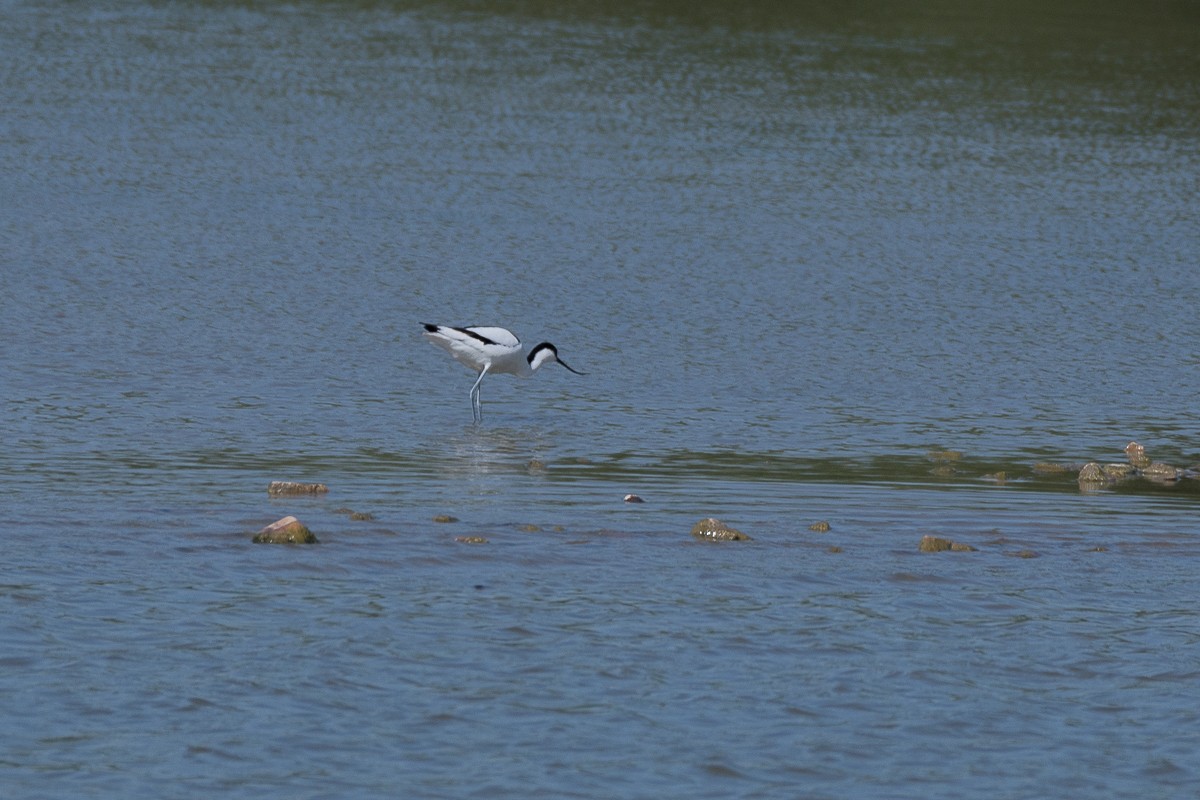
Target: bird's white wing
(500,336)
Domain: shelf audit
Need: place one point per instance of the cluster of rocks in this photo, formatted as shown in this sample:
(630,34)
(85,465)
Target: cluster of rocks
(1138,465)
(290,530)
(1091,476)
(936,544)
(711,529)
(285,488)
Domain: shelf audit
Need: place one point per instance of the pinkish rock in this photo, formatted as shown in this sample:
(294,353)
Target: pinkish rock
(288,530)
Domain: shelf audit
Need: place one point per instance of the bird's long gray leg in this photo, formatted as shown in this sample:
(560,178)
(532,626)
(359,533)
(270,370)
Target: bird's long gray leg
(476,405)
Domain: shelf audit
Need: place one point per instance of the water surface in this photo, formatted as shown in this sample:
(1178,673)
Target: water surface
(800,255)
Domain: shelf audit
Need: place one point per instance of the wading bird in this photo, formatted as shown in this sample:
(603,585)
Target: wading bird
(486,349)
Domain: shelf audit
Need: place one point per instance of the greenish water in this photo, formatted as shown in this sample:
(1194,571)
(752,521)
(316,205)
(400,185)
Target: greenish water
(800,254)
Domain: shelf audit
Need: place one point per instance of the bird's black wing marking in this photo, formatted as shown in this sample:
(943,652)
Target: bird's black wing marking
(474,335)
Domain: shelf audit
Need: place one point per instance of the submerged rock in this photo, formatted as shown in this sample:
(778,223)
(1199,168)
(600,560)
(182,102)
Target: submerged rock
(1093,474)
(288,530)
(445,518)
(936,544)
(1158,471)
(291,488)
(819,527)
(358,516)
(713,530)
(471,539)
(1117,472)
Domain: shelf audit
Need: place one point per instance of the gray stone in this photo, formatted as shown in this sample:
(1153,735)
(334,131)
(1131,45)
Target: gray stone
(278,488)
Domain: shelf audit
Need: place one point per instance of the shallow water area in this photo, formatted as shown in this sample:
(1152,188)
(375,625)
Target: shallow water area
(870,265)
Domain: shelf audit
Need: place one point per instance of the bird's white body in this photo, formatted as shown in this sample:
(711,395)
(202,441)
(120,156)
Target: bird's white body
(488,349)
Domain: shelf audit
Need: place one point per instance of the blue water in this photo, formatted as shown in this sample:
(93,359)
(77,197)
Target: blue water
(170,659)
(801,255)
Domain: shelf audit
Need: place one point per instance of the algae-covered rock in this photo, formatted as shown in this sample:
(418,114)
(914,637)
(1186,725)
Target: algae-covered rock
(283,488)
(1092,471)
(934,544)
(937,544)
(714,530)
(357,516)
(1118,472)
(1050,468)
(1136,454)
(1095,474)
(288,530)
(1158,471)
(819,527)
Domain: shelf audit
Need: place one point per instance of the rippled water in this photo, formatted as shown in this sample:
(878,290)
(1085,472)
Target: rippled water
(799,254)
